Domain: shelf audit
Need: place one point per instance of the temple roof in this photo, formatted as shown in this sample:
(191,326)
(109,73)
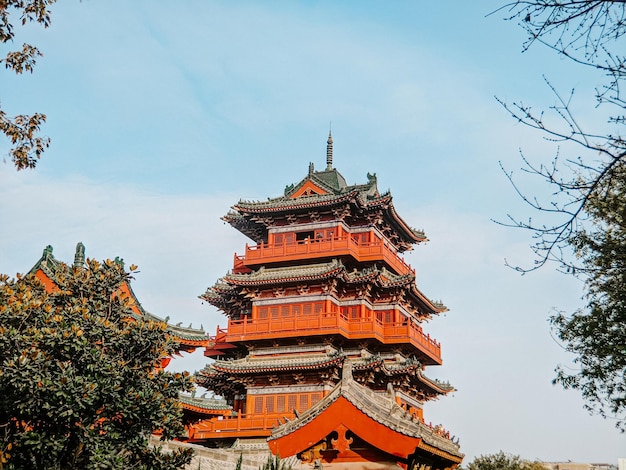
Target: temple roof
(264,364)
(50,266)
(323,190)
(410,366)
(385,279)
(380,408)
(208,404)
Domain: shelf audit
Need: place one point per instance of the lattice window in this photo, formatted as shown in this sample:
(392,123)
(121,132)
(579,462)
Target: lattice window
(315,398)
(296,310)
(263,313)
(284,311)
(274,312)
(258,405)
(307,309)
(269,404)
(304,402)
(280,403)
(318,307)
(291,402)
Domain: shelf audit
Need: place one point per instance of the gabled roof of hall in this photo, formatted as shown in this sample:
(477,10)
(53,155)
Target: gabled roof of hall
(50,266)
(380,408)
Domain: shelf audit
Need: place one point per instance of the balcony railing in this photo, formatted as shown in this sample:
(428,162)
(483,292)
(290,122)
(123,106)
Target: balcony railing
(316,248)
(242,425)
(333,323)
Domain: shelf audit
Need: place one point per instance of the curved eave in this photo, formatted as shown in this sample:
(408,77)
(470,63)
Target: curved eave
(208,412)
(241,281)
(436,307)
(343,414)
(282,204)
(250,368)
(409,233)
(413,369)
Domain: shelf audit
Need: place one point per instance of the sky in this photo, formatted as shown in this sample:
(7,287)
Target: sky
(162,115)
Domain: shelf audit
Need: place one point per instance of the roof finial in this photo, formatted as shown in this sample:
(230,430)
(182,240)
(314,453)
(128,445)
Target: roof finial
(329,151)
(79,256)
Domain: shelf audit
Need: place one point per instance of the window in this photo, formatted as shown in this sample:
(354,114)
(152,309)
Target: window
(283,238)
(304,402)
(305,236)
(280,403)
(258,405)
(269,404)
(291,402)
(263,311)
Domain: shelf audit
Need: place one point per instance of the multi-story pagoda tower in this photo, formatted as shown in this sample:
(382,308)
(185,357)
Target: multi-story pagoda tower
(324,354)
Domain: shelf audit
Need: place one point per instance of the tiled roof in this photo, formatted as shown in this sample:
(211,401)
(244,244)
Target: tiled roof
(263,364)
(204,403)
(365,197)
(300,273)
(410,366)
(382,408)
(382,277)
(50,266)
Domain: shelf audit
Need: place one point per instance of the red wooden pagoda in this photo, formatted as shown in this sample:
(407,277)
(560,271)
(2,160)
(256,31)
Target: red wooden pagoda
(324,353)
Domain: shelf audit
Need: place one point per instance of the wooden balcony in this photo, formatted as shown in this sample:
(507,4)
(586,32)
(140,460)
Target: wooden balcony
(265,253)
(334,324)
(258,425)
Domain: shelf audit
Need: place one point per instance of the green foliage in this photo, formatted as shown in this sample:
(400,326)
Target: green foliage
(597,334)
(503,461)
(22,130)
(80,383)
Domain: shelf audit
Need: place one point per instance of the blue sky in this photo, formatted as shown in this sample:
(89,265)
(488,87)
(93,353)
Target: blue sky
(162,116)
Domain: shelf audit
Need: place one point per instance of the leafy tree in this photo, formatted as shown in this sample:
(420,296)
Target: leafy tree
(503,461)
(22,130)
(581,225)
(80,382)
(597,334)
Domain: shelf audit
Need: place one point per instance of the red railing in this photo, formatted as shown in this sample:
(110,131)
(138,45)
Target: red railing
(334,323)
(310,248)
(240,425)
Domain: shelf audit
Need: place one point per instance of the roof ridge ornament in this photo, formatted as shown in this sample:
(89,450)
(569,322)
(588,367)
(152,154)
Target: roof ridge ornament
(79,255)
(329,151)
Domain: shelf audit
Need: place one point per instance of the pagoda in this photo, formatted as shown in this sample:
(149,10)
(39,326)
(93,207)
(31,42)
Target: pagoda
(324,355)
